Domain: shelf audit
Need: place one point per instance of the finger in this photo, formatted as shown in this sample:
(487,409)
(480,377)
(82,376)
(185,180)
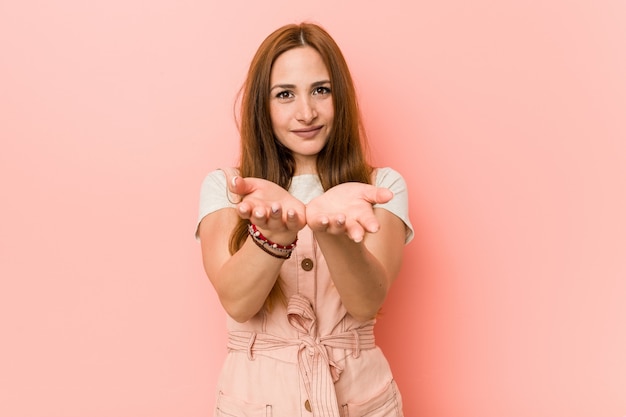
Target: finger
(335,225)
(291,215)
(242,186)
(275,220)
(260,213)
(378,195)
(369,223)
(275,210)
(294,220)
(355,231)
(244,210)
(320,224)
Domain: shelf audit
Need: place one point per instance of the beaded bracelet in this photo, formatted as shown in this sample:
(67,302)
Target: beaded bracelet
(287,255)
(266,244)
(256,233)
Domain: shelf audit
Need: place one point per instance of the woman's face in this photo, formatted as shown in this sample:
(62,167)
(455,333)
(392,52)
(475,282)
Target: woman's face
(301,105)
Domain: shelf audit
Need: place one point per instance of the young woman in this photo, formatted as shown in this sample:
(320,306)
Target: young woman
(302,241)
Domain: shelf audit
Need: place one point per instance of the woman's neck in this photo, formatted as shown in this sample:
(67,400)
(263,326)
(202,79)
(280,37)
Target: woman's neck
(305,168)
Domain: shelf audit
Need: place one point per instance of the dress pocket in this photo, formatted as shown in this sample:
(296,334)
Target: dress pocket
(387,403)
(233,407)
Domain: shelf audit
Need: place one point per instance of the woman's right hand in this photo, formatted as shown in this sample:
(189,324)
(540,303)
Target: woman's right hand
(270,207)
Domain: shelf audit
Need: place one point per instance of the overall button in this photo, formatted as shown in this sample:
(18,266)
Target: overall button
(307,405)
(307,264)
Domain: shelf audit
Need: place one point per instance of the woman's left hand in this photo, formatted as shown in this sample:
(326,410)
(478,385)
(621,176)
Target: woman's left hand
(347,209)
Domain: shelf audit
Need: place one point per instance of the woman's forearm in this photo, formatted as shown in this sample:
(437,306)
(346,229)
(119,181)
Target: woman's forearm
(245,280)
(360,278)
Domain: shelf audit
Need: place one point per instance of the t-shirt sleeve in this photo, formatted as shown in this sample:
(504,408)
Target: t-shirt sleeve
(399,204)
(213,195)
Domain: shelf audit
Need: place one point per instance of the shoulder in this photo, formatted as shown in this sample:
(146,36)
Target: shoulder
(399,205)
(389,178)
(214,193)
(216,178)
(214,184)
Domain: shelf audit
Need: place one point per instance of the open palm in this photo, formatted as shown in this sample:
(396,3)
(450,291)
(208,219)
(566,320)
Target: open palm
(347,208)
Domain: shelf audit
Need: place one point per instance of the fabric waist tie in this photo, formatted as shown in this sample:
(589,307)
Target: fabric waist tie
(317,371)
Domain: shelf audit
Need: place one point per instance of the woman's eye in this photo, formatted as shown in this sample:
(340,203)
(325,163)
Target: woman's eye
(321,90)
(284,95)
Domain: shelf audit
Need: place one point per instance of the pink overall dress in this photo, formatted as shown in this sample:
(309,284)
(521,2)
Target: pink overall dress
(307,357)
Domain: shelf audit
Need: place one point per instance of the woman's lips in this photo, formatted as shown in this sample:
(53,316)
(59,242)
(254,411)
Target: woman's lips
(307,133)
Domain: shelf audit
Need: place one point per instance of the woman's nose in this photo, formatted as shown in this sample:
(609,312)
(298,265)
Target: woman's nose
(306,112)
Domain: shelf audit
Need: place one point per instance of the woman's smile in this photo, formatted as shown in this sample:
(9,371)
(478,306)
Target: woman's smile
(308,132)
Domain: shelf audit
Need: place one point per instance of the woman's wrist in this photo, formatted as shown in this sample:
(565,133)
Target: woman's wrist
(270,246)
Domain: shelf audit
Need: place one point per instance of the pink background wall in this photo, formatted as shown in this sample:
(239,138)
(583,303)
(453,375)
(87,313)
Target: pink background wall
(506,118)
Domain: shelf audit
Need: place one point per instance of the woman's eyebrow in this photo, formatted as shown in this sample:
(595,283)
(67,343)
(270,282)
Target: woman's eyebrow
(292,86)
(320,83)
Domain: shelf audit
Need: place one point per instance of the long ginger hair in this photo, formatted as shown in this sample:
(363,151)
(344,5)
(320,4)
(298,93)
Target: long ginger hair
(343,158)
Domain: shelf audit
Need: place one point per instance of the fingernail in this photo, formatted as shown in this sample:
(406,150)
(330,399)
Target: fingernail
(233,181)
